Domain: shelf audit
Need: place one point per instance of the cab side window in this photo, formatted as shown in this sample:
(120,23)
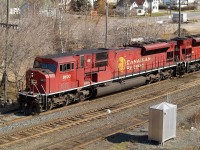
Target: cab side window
(81,61)
(61,68)
(66,67)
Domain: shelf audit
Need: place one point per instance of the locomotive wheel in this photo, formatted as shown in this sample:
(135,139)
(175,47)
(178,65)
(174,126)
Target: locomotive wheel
(189,70)
(149,81)
(39,110)
(161,77)
(158,77)
(82,98)
(150,78)
(36,107)
(169,76)
(67,100)
(50,105)
(197,67)
(65,103)
(24,108)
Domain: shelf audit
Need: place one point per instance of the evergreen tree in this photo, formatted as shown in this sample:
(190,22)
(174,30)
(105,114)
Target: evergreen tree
(80,5)
(100,6)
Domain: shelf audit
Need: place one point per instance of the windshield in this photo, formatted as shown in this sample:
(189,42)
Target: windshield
(51,67)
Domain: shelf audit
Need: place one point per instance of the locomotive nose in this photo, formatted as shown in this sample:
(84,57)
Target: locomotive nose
(36,81)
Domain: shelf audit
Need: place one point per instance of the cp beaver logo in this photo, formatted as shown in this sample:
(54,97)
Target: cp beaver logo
(121,64)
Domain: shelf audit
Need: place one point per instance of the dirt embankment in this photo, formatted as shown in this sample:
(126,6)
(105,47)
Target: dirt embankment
(192,28)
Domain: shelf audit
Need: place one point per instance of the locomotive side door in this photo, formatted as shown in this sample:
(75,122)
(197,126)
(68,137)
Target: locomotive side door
(177,53)
(186,53)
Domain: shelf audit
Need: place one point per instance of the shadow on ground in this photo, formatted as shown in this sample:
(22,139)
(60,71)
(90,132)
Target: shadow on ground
(123,137)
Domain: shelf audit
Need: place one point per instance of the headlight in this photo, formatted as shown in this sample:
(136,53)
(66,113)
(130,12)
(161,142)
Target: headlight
(30,93)
(33,81)
(43,80)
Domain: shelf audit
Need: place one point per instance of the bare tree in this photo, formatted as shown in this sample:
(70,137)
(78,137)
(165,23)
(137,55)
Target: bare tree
(40,35)
(31,39)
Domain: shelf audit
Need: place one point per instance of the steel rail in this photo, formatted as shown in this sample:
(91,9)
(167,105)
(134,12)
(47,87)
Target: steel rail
(23,118)
(136,97)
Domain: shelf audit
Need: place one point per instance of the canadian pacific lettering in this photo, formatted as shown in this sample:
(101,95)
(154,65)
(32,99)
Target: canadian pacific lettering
(136,63)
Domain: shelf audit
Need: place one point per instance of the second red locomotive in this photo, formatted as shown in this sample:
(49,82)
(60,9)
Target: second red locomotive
(61,79)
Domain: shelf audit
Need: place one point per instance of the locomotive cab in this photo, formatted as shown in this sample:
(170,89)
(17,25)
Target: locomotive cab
(53,75)
(66,74)
(41,76)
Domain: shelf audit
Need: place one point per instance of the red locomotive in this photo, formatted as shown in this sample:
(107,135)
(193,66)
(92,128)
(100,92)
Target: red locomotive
(61,79)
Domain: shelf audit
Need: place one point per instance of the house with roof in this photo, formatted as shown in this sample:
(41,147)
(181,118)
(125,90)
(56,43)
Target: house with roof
(113,1)
(141,6)
(14,11)
(109,1)
(64,3)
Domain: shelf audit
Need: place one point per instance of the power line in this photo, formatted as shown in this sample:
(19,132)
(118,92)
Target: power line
(5,25)
(5,77)
(106,36)
(179,24)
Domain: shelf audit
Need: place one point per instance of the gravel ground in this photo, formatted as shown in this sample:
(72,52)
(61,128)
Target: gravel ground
(46,140)
(192,28)
(186,139)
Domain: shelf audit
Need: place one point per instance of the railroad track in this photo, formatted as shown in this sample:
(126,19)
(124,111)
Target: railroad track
(95,135)
(64,123)
(22,118)
(84,139)
(4,118)
(5,122)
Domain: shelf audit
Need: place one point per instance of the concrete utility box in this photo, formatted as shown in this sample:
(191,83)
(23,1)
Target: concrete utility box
(162,122)
(175,17)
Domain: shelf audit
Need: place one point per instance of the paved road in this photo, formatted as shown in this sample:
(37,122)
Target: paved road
(193,28)
(193,15)
(167,18)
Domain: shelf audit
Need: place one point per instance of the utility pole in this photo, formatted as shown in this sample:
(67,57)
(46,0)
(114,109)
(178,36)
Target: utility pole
(5,77)
(170,7)
(150,8)
(60,28)
(106,36)
(7,26)
(93,4)
(179,23)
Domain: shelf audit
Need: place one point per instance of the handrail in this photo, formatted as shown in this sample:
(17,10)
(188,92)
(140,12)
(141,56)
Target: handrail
(37,89)
(45,95)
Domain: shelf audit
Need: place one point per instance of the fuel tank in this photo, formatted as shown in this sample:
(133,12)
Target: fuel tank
(120,86)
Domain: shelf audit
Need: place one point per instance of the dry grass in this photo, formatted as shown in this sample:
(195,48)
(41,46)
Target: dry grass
(195,119)
(120,146)
(12,92)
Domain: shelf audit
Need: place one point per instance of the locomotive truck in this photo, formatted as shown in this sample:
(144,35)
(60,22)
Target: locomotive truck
(61,79)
